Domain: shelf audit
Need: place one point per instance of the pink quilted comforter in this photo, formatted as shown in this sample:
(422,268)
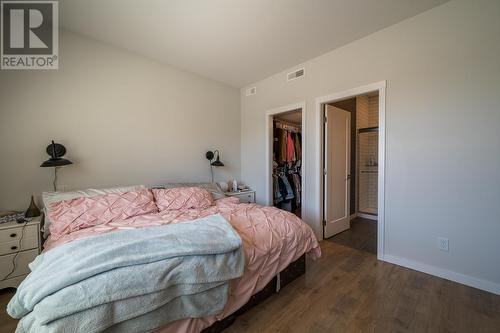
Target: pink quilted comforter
(272,239)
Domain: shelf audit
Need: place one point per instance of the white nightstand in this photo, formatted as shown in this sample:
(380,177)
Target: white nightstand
(247,196)
(25,243)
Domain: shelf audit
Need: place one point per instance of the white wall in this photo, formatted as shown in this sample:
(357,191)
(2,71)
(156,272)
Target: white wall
(124,119)
(443,134)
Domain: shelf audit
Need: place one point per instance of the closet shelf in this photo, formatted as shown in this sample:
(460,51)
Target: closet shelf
(369,210)
(369,171)
(368,129)
(288,126)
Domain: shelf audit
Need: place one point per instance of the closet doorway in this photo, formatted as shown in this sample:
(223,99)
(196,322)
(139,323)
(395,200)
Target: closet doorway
(285,158)
(352,160)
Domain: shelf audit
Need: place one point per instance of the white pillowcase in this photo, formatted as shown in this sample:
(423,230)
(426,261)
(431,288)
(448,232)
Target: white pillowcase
(50,197)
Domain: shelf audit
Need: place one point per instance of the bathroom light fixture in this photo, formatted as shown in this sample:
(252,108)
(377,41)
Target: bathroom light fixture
(217,163)
(56,152)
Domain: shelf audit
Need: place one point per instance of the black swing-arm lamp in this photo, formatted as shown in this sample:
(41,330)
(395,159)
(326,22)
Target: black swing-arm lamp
(210,155)
(56,152)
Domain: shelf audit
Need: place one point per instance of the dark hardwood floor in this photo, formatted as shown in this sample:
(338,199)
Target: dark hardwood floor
(7,324)
(361,236)
(349,290)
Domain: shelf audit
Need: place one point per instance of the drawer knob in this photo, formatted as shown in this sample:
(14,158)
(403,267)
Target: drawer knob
(13,247)
(13,235)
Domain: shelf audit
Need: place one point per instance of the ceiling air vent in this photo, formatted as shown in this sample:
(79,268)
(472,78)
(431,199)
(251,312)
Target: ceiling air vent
(251,91)
(295,74)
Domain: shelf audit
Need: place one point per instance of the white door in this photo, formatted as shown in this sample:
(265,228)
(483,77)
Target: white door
(337,170)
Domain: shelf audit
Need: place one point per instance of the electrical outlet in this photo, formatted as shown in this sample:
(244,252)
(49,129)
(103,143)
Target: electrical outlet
(443,244)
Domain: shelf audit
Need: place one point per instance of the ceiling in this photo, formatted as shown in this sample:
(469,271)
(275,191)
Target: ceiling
(236,42)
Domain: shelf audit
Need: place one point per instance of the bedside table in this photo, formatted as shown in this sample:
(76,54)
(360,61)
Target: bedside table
(247,196)
(26,250)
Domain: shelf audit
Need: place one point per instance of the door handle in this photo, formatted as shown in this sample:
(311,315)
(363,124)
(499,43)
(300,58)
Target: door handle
(348,177)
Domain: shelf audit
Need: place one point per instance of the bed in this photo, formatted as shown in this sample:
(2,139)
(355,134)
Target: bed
(274,244)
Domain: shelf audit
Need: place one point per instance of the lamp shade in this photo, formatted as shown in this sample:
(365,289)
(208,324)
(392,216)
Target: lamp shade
(217,162)
(56,151)
(55,162)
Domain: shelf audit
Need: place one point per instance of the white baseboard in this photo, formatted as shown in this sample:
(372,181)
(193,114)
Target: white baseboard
(467,280)
(367,216)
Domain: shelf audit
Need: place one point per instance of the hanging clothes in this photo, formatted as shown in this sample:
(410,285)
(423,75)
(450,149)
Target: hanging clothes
(280,144)
(290,148)
(287,190)
(277,197)
(287,186)
(297,146)
(287,145)
(298,188)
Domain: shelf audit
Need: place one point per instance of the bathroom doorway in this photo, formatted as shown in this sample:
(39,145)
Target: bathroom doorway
(352,157)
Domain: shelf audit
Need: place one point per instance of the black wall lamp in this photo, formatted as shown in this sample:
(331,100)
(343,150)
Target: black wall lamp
(210,155)
(56,152)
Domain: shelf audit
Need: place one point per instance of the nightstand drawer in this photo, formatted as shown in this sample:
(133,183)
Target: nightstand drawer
(14,234)
(246,197)
(13,247)
(22,261)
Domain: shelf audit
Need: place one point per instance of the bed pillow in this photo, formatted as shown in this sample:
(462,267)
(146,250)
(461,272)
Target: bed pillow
(71,215)
(213,188)
(50,197)
(182,198)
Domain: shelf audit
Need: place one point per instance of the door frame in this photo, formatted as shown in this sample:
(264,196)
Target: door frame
(335,97)
(269,149)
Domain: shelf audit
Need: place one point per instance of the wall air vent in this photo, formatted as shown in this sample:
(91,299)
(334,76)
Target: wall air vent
(251,91)
(295,74)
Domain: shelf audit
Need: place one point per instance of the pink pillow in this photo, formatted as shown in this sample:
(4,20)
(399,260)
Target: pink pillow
(71,215)
(183,198)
